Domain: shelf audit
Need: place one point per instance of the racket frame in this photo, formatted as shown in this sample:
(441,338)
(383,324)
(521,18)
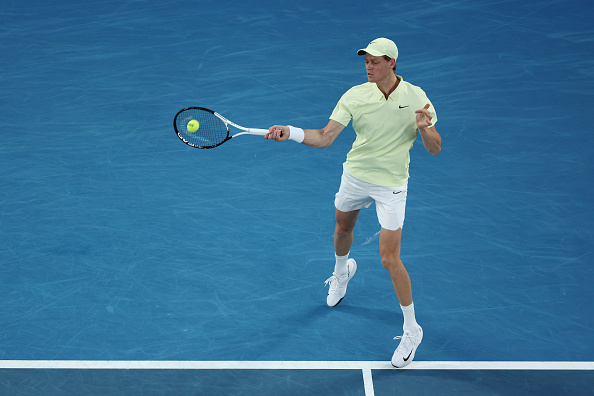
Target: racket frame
(227,122)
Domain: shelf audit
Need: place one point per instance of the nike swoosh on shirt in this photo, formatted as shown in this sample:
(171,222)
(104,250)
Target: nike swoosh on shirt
(402,107)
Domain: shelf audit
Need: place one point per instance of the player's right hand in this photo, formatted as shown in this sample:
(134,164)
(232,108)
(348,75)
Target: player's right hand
(278,133)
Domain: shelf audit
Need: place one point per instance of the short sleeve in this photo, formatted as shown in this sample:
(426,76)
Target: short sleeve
(341,113)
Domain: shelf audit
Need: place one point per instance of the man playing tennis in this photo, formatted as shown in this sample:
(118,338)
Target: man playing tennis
(386,113)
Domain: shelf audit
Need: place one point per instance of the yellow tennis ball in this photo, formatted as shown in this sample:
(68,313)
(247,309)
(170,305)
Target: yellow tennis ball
(193,126)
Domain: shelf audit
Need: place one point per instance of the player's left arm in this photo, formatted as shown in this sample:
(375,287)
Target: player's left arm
(430,136)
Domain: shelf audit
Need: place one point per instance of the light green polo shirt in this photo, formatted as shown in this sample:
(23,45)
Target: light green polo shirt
(386,130)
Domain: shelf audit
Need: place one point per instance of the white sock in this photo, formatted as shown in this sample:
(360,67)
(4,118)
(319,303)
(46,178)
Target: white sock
(340,268)
(410,323)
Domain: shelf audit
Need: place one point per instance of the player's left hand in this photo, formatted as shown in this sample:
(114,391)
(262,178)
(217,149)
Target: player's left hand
(424,117)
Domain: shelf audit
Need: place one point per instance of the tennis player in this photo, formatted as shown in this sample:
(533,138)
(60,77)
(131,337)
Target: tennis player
(386,113)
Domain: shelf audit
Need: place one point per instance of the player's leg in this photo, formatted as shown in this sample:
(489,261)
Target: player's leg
(391,205)
(352,196)
(344,268)
(390,254)
(412,332)
(343,233)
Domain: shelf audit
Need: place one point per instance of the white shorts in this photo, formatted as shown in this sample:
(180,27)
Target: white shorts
(390,202)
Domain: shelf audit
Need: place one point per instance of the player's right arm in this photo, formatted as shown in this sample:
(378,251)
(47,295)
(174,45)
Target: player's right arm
(320,138)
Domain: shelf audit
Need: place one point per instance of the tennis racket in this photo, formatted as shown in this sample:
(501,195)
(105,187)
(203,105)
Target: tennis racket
(205,129)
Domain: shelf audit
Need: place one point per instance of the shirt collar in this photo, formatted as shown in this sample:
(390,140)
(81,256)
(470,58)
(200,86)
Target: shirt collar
(394,95)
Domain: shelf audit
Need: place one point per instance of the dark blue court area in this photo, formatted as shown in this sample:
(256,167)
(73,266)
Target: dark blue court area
(294,382)
(120,243)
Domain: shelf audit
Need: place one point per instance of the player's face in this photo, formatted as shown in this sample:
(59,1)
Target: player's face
(378,68)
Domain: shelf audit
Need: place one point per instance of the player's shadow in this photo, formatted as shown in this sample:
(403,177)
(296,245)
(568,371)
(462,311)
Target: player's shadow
(323,312)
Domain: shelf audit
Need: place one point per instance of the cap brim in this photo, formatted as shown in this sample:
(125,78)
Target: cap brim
(370,52)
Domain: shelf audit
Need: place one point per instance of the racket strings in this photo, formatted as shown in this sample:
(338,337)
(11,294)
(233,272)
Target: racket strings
(211,131)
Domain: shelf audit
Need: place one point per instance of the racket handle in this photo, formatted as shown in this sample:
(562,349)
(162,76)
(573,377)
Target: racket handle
(260,132)
(254,131)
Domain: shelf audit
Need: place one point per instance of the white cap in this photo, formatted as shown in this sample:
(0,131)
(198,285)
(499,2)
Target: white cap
(380,47)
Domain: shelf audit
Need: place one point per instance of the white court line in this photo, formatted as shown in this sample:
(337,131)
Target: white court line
(285,365)
(368,383)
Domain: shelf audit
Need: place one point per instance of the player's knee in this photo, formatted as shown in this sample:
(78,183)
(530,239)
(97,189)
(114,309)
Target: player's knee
(344,228)
(343,231)
(391,263)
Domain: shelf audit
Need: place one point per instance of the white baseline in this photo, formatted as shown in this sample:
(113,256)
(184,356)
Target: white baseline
(286,365)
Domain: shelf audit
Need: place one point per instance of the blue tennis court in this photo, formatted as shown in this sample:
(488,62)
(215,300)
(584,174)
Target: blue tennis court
(133,264)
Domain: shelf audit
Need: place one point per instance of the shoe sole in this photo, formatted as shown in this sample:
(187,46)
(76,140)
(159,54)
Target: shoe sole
(332,306)
(345,288)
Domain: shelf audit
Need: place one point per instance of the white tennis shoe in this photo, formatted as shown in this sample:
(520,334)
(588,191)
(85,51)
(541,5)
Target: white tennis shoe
(338,285)
(405,353)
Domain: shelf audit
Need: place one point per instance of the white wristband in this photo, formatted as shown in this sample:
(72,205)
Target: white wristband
(296,134)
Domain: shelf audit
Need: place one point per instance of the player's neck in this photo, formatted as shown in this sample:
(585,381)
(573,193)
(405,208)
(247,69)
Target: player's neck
(388,85)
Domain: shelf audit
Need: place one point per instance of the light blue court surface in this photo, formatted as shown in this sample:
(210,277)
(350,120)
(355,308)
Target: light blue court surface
(120,243)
